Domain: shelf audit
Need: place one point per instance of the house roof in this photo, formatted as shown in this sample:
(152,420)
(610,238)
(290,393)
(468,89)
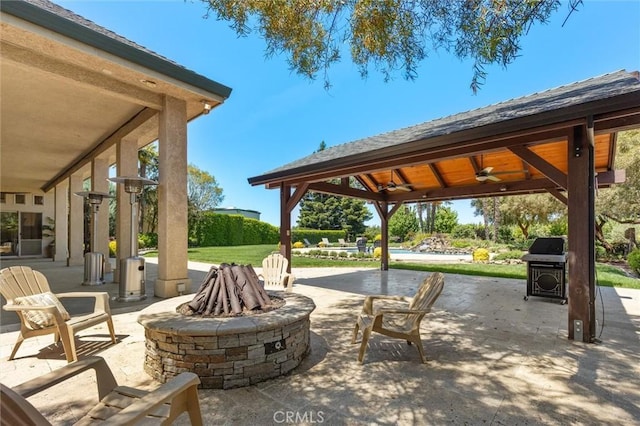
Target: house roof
(71,89)
(433,157)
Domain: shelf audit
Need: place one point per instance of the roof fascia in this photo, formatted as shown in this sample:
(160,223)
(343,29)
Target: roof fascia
(43,18)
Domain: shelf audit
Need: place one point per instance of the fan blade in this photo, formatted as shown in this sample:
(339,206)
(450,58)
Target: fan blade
(485,171)
(494,178)
(403,188)
(510,172)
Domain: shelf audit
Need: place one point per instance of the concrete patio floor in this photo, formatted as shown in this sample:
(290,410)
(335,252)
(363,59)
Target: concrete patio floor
(493,358)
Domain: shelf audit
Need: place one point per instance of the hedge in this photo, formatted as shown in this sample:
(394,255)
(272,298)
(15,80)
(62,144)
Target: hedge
(214,229)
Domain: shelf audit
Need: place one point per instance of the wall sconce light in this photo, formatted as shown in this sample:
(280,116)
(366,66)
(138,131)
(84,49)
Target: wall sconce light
(206,106)
(503,188)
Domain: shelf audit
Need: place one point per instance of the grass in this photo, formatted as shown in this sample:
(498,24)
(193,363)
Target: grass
(606,275)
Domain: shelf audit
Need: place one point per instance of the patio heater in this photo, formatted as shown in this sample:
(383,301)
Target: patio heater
(132,273)
(93,261)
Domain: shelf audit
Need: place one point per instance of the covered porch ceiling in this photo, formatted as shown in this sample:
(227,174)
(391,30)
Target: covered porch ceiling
(71,89)
(520,146)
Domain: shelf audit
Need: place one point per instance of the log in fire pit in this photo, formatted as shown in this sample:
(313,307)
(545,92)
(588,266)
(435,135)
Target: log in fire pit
(230,290)
(231,334)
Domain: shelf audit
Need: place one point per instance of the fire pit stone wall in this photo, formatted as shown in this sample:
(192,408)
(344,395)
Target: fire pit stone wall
(226,352)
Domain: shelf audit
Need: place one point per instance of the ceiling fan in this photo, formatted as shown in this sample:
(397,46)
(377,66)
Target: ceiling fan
(486,174)
(392,186)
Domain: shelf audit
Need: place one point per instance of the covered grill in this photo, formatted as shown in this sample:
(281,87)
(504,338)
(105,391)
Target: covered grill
(546,269)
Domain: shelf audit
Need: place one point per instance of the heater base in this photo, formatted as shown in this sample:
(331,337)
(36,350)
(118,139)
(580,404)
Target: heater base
(93,269)
(132,280)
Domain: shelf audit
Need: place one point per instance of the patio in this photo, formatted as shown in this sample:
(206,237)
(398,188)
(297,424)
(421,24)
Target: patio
(494,358)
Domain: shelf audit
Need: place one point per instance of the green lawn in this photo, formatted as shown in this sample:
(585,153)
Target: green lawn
(606,275)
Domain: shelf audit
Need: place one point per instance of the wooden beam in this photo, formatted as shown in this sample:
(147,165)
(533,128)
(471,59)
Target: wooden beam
(547,169)
(136,121)
(558,195)
(297,196)
(329,188)
(581,255)
(617,122)
(611,177)
(436,173)
(486,189)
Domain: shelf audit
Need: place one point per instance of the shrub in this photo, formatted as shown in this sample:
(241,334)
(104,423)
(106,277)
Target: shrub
(460,244)
(343,254)
(513,254)
(464,231)
(112,248)
(634,260)
(298,244)
(321,244)
(148,240)
(481,255)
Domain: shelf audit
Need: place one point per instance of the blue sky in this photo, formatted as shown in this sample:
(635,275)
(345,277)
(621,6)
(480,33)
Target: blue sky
(274,116)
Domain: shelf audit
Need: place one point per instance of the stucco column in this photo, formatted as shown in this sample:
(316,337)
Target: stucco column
(126,165)
(76,222)
(172,200)
(62,222)
(99,182)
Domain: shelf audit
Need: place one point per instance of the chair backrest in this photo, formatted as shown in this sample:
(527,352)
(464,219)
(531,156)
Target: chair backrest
(18,281)
(326,241)
(16,410)
(427,294)
(306,242)
(273,266)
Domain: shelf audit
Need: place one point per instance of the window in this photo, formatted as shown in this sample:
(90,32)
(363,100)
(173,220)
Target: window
(20,199)
(38,200)
(3,197)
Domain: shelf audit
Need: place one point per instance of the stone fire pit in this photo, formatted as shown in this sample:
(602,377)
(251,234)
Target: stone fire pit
(226,352)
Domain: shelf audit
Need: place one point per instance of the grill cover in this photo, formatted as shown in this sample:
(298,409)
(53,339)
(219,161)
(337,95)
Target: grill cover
(552,245)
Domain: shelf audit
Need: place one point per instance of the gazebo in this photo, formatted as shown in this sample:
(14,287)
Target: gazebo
(561,141)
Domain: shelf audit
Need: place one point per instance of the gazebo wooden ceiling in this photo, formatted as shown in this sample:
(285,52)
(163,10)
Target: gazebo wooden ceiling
(524,141)
(561,141)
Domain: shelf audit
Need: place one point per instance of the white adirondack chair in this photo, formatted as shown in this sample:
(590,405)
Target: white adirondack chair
(274,273)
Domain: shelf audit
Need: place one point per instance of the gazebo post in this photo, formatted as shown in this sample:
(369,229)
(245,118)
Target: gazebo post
(285,223)
(382,207)
(581,213)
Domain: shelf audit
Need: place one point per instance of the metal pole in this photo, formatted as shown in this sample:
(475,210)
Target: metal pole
(134,225)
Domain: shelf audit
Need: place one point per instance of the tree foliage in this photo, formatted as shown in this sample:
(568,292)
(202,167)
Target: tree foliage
(446,219)
(331,212)
(322,211)
(403,222)
(388,35)
(621,202)
(203,193)
(526,210)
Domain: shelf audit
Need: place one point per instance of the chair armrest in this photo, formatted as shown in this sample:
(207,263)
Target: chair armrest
(367,307)
(287,281)
(13,307)
(154,399)
(101,298)
(400,311)
(105,380)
